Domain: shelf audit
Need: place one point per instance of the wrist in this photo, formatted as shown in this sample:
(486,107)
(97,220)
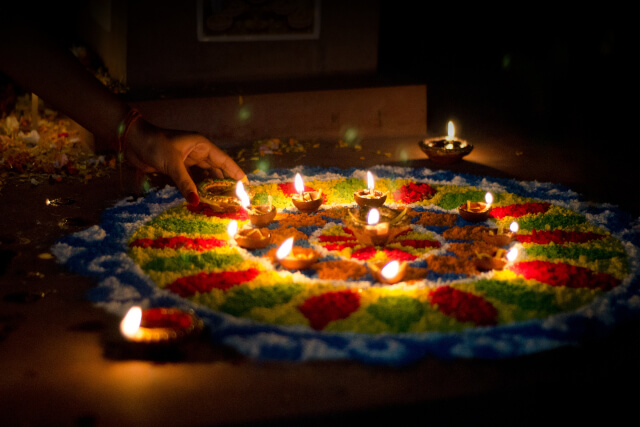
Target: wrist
(124,127)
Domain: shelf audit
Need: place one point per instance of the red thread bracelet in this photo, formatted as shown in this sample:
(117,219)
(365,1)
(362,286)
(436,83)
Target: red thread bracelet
(124,126)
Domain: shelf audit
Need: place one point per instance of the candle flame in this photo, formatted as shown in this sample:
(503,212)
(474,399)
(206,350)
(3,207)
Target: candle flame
(488,198)
(390,270)
(131,322)
(373,217)
(514,227)
(285,248)
(450,131)
(299,184)
(242,195)
(232,228)
(370,183)
(512,254)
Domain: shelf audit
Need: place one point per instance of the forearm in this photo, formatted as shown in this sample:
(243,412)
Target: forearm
(50,70)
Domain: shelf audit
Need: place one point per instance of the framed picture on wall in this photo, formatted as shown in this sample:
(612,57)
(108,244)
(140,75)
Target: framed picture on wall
(258,20)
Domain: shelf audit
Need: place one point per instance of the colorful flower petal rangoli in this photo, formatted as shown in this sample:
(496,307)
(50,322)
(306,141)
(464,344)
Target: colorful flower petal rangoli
(575,273)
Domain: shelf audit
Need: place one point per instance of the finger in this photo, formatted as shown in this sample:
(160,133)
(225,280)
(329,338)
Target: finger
(219,159)
(178,173)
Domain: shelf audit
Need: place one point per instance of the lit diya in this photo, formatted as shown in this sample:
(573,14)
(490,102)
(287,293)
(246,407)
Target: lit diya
(159,325)
(499,237)
(261,215)
(486,262)
(370,196)
(476,211)
(295,258)
(445,150)
(382,224)
(219,195)
(306,201)
(249,238)
(389,273)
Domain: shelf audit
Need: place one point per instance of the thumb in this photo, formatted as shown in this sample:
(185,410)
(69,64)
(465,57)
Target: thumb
(179,174)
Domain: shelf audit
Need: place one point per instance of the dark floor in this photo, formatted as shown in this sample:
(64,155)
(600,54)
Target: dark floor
(546,120)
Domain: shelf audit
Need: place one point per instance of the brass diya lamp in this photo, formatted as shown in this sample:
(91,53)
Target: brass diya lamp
(445,150)
(306,201)
(377,226)
(388,273)
(219,195)
(476,211)
(295,258)
(370,196)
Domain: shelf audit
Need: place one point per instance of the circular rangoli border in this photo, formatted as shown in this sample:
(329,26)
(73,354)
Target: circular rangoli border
(100,252)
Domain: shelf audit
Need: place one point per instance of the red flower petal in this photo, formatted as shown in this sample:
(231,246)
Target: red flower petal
(560,274)
(559,237)
(464,306)
(205,282)
(414,192)
(205,209)
(330,306)
(519,210)
(179,242)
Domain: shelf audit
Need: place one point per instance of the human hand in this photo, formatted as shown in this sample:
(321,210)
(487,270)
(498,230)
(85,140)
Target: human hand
(153,149)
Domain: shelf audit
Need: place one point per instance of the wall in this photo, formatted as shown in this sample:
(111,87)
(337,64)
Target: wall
(162,49)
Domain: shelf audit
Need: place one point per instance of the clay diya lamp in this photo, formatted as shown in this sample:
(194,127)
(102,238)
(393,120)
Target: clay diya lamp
(253,238)
(159,325)
(249,238)
(486,262)
(306,201)
(476,211)
(295,258)
(388,273)
(498,237)
(445,150)
(370,196)
(378,230)
(262,215)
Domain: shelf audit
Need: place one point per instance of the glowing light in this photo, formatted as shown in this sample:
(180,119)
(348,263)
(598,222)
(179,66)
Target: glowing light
(232,228)
(450,131)
(449,146)
(299,184)
(390,270)
(512,254)
(131,322)
(373,217)
(351,134)
(244,113)
(242,195)
(488,198)
(514,227)
(263,165)
(285,248)
(370,183)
